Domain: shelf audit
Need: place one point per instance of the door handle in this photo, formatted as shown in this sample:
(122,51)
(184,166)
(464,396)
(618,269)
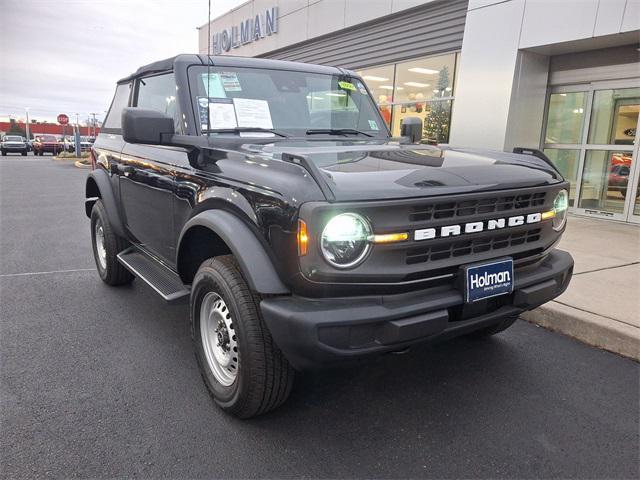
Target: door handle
(128,171)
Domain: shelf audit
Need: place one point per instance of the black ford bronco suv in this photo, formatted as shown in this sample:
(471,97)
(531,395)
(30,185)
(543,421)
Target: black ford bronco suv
(272,196)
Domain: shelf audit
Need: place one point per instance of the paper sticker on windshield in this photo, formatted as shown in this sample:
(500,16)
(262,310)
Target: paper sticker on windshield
(230,82)
(223,115)
(373,125)
(253,113)
(361,88)
(347,86)
(203,112)
(213,85)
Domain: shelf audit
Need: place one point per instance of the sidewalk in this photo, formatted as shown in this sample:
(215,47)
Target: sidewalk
(601,307)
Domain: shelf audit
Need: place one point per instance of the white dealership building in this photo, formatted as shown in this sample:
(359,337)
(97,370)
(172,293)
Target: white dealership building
(561,76)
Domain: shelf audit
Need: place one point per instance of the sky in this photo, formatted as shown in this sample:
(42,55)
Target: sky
(65,56)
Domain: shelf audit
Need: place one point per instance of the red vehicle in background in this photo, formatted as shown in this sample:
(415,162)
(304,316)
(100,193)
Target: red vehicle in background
(619,179)
(46,143)
(620,159)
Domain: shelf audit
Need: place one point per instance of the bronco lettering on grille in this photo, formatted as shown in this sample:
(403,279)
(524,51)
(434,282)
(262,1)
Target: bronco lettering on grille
(475,227)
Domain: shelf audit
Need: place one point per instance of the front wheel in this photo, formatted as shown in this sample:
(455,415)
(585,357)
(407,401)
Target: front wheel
(244,370)
(106,246)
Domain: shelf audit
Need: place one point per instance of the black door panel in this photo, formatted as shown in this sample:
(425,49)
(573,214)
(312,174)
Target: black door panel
(146,193)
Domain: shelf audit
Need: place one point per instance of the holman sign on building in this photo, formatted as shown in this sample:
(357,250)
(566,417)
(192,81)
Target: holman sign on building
(249,30)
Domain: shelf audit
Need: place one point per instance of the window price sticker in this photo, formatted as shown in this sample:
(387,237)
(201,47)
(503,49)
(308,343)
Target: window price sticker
(251,112)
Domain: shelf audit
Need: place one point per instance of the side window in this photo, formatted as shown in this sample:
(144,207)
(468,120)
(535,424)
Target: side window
(120,100)
(159,93)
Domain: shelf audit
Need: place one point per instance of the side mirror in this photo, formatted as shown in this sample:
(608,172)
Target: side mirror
(140,125)
(411,127)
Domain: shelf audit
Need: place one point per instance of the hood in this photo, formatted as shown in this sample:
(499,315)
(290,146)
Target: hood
(357,171)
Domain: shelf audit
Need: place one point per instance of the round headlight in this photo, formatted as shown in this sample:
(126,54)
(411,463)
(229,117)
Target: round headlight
(560,207)
(346,240)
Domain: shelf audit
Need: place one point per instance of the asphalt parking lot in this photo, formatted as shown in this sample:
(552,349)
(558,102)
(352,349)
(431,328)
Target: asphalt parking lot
(102,382)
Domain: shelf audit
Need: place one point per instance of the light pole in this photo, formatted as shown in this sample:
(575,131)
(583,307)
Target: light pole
(26,125)
(93,123)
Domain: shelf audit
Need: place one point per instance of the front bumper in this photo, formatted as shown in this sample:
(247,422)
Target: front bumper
(14,148)
(314,333)
(50,148)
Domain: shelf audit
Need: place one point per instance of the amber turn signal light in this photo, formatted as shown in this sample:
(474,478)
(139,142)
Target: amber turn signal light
(548,215)
(390,237)
(303,238)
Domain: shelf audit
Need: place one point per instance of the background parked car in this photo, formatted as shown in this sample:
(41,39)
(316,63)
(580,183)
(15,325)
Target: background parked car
(70,144)
(46,143)
(85,144)
(619,179)
(13,144)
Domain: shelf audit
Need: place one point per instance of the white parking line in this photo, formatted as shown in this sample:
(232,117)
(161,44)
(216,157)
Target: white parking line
(46,273)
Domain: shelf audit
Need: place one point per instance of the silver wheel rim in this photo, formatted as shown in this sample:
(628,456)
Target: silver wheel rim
(219,338)
(101,251)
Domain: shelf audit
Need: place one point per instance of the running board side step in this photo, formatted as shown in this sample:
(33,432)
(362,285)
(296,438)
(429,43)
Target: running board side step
(164,281)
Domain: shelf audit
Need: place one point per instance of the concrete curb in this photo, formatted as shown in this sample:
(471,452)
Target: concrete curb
(81,165)
(592,329)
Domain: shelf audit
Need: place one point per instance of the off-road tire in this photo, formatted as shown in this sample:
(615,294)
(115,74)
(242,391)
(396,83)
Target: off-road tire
(264,378)
(495,328)
(114,274)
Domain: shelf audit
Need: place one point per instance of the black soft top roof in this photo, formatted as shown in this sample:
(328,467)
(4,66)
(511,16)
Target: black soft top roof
(169,64)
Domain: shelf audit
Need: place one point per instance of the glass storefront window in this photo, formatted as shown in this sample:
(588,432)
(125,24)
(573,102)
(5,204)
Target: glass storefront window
(425,79)
(380,83)
(594,149)
(605,179)
(419,88)
(565,118)
(436,119)
(614,116)
(566,161)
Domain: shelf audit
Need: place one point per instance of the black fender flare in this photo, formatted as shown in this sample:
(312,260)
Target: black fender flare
(254,262)
(103,182)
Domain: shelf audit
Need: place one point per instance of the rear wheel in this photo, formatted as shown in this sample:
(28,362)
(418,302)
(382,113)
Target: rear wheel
(244,370)
(106,246)
(495,328)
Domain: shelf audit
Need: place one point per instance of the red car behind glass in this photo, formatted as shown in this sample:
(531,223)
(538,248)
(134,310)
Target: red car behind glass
(619,179)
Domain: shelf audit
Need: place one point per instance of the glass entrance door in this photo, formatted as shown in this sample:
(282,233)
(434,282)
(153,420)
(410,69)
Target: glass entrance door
(591,135)
(634,186)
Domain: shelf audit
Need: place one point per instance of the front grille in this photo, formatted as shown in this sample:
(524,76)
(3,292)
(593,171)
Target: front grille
(461,248)
(465,208)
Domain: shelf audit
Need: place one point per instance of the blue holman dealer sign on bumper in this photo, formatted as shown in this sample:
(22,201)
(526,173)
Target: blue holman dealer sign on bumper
(249,30)
(488,280)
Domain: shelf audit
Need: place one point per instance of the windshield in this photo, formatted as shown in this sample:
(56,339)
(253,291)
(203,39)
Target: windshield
(12,138)
(290,103)
(48,138)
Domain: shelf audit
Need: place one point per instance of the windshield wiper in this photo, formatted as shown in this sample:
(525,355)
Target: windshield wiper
(337,131)
(244,129)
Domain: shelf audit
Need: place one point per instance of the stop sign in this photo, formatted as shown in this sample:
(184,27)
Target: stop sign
(63,119)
